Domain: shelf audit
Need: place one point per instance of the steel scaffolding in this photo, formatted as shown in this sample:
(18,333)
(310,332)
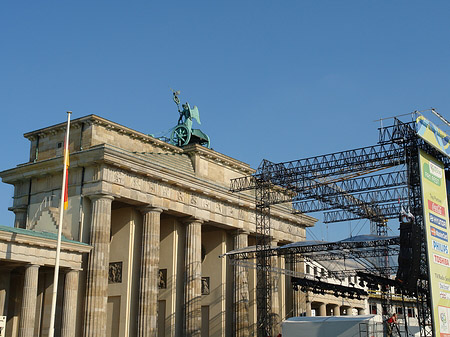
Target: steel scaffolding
(348,185)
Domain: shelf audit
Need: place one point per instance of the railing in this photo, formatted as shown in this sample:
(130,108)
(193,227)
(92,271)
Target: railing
(379,329)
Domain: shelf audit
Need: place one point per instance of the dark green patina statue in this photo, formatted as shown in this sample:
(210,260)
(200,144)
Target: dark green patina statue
(183,134)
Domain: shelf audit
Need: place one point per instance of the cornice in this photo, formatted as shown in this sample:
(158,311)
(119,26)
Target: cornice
(195,149)
(57,128)
(139,165)
(28,170)
(43,242)
(123,130)
(121,159)
(109,125)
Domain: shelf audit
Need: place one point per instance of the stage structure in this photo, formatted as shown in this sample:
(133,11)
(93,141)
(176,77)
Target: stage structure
(377,183)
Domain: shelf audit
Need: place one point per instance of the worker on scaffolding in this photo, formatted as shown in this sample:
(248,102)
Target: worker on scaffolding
(392,323)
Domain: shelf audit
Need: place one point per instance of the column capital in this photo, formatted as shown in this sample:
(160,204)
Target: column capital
(18,209)
(191,219)
(150,209)
(240,231)
(273,241)
(29,265)
(97,196)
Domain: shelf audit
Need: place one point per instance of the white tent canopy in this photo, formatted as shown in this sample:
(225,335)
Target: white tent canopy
(325,326)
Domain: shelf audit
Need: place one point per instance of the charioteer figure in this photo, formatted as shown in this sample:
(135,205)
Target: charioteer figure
(183,134)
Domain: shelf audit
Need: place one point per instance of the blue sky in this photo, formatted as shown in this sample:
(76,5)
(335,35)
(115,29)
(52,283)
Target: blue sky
(280,80)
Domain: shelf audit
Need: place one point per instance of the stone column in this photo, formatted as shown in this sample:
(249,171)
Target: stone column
(20,219)
(308,308)
(282,288)
(349,311)
(299,299)
(69,312)
(242,296)
(98,266)
(193,280)
(148,289)
(28,310)
(322,309)
(5,277)
(275,305)
(337,310)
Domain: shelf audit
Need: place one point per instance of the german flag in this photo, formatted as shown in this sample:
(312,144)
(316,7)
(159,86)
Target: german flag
(66,172)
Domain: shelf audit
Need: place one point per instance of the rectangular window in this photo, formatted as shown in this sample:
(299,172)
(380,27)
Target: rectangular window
(373,309)
(308,269)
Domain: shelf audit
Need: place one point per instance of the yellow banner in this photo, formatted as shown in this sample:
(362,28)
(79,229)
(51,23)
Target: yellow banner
(436,221)
(433,135)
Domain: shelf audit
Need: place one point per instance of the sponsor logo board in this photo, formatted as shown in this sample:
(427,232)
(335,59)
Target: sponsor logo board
(440,247)
(435,220)
(443,261)
(432,206)
(437,233)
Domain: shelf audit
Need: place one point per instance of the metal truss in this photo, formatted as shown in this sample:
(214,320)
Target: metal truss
(415,275)
(424,306)
(353,203)
(294,175)
(354,254)
(347,186)
(332,187)
(399,132)
(263,279)
(415,230)
(331,255)
(336,274)
(388,211)
(341,274)
(339,245)
(404,134)
(358,161)
(322,287)
(299,275)
(274,270)
(348,246)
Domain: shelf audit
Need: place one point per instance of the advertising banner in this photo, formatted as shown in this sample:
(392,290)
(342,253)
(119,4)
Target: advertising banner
(436,221)
(433,135)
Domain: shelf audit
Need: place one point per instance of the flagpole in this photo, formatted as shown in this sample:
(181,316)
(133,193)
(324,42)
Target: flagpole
(60,225)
